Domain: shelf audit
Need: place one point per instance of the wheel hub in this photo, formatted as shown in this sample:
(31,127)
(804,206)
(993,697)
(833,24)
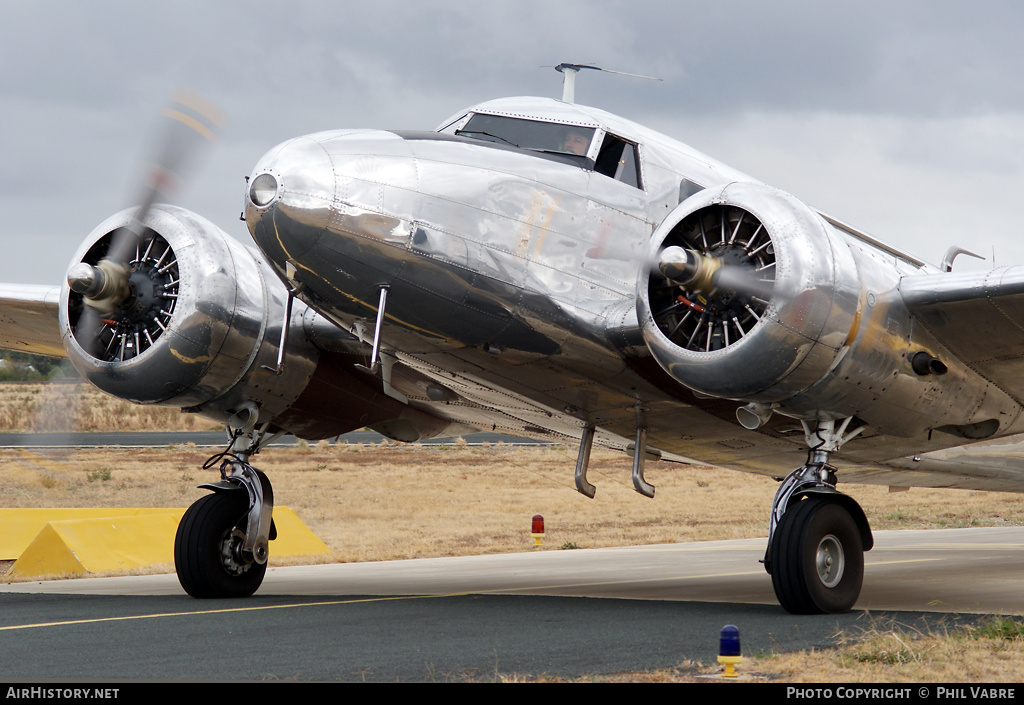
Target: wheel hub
(830,561)
(231,555)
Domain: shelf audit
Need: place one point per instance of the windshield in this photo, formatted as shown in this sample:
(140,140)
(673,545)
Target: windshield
(539,136)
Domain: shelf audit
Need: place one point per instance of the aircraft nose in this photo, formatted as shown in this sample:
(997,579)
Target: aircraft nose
(288,198)
(328,200)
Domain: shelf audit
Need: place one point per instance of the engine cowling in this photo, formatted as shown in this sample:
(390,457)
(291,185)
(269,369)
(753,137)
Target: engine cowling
(780,325)
(196,319)
(201,329)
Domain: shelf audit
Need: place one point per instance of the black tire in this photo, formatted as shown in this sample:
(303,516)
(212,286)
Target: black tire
(204,555)
(817,558)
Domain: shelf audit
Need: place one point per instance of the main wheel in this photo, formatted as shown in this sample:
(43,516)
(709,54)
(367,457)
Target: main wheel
(817,558)
(207,548)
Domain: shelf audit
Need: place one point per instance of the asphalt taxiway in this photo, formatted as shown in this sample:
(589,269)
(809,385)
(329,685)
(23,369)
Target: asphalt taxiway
(484,616)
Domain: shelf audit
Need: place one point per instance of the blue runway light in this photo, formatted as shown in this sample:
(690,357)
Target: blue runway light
(729,641)
(729,649)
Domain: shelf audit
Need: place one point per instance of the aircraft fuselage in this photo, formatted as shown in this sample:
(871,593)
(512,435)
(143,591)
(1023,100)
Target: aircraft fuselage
(512,278)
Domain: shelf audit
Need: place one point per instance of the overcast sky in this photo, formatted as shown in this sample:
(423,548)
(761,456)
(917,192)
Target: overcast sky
(904,119)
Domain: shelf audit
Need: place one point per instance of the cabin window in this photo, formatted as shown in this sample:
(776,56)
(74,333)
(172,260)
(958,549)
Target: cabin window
(619,160)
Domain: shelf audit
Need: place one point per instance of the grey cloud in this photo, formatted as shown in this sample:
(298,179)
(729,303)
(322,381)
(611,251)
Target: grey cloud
(931,89)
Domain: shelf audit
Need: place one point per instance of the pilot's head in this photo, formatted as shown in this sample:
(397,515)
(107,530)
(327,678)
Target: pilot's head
(576,142)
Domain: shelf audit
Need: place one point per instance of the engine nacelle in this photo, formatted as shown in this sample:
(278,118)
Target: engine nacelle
(198,315)
(782,321)
(201,330)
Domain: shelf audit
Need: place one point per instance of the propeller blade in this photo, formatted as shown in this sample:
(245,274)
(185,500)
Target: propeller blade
(189,122)
(87,331)
(744,281)
(699,272)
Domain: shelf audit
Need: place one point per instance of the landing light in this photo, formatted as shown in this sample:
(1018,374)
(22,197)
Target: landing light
(263,189)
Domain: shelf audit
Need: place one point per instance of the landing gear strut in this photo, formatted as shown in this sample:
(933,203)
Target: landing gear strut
(221,547)
(817,536)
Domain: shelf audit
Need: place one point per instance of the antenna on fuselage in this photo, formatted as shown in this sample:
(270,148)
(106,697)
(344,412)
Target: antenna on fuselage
(569,72)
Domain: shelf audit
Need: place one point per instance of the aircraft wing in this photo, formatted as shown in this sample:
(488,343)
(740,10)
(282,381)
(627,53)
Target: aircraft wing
(978,317)
(28,319)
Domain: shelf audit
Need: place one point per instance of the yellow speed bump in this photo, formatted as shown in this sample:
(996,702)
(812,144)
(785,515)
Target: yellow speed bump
(122,543)
(19,527)
(78,546)
(294,538)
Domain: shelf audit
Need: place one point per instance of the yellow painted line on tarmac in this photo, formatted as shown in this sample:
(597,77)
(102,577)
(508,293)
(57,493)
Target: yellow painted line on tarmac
(495,591)
(326,603)
(160,615)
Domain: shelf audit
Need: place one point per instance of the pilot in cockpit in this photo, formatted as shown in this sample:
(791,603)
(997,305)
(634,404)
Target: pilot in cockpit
(576,142)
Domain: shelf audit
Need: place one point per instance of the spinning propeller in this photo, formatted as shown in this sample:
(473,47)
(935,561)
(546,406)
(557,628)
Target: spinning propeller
(129,287)
(692,270)
(714,280)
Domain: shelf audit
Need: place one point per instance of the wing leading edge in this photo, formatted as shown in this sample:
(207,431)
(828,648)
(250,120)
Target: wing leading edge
(28,319)
(978,317)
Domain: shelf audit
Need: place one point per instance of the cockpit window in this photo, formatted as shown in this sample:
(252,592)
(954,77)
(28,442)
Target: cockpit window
(617,158)
(546,137)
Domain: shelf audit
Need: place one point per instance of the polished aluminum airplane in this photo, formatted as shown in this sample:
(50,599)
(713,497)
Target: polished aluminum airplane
(542,268)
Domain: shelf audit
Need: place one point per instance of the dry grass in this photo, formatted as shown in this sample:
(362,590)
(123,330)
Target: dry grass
(399,501)
(885,653)
(82,407)
(406,501)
